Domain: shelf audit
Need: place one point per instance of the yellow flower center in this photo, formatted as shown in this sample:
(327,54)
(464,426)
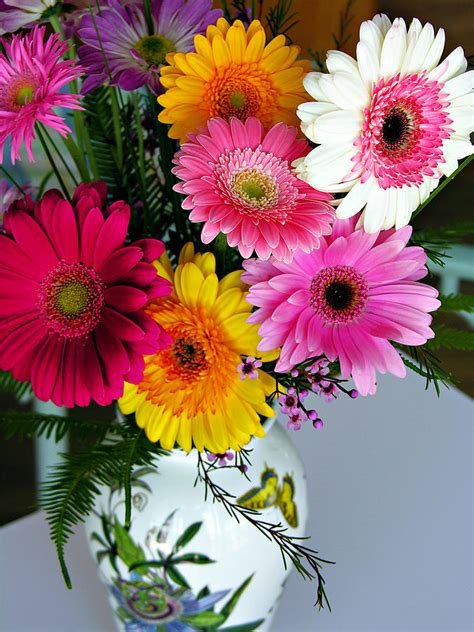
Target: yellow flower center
(154,48)
(25,95)
(72,298)
(257,189)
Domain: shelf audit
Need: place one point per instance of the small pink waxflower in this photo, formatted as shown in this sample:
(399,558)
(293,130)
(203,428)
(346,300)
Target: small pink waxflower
(319,367)
(295,420)
(32,74)
(289,402)
(345,301)
(239,181)
(222,459)
(327,390)
(248,368)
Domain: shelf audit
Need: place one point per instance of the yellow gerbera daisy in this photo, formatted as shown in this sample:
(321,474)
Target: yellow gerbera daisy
(191,393)
(232,73)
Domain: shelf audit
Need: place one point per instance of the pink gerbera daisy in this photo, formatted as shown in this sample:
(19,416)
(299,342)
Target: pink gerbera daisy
(72,297)
(238,181)
(345,301)
(32,74)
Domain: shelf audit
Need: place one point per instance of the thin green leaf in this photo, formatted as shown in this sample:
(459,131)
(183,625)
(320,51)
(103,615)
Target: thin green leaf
(187,536)
(246,627)
(230,605)
(207,619)
(176,576)
(128,551)
(192,558)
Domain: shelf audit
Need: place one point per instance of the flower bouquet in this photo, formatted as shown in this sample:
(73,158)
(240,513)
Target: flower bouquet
(228,236)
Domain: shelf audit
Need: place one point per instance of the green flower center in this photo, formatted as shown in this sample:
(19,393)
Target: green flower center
(72,298)
(154,48)
(25,95)
(255,188)
(237,100)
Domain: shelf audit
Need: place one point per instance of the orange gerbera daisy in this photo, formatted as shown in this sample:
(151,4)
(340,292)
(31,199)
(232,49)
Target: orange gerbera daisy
(192,392)
(232,74)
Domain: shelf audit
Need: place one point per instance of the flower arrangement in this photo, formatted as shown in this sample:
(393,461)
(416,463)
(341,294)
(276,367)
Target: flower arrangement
(231,230)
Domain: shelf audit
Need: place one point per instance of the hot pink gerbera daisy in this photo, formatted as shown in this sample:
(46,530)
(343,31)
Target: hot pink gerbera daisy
(238,180)
(32,74)
(72,297)
(345,301)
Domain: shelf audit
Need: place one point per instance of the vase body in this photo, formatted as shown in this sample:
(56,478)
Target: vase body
(223,573)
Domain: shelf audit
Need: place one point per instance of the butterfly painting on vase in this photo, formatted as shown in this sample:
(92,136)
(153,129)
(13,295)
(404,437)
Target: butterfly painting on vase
(272,494)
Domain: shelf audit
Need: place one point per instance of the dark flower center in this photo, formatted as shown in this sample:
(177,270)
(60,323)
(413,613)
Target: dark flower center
(154,48)
(396,128)
(339,294)
(189,354)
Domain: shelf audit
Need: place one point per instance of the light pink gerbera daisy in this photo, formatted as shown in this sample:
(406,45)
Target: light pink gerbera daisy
(32,74)
(72,296)
(390,124)
(238,181)
(345,301)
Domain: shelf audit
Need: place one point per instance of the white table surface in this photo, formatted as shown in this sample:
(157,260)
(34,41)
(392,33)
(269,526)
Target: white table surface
(391,488)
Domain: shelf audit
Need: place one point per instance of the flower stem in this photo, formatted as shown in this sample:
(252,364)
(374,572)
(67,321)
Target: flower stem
(52,163)
(61,157)
(12,179)
(220,251)
(445,182)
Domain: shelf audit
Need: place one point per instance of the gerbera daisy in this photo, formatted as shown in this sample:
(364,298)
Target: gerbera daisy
(15,14)
(345,301)
(238,181)
(72,297)
(390,124)
(118,44)
(191,392)
(32,75)
(232,74)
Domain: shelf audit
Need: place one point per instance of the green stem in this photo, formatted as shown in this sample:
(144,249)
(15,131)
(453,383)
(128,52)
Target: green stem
(52,163)
(61,157)
(141,157)
(445,182)
(148,16)
(220,251)
(12,179)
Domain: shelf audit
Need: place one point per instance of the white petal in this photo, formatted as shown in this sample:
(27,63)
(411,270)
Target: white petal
(382,21)
(463,119)
(342,126)
(376,209)
(332,172)
(337,61)
(355,199)
(369,63)
(454,64)
(414,60)
(464,99)
(457,148)
(371,35)
(311,83)
(327,85)
(436,50)
(324,154)
(407,200)
(460,85)
(449,166)
(351,86)
(341,187)
(393,49)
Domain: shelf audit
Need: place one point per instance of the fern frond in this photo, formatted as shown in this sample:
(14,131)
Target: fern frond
(280,20)
(10,386)
(422,361)
(70,492)
(457,303)
(451,338)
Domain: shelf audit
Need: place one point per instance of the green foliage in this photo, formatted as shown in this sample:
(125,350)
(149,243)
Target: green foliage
(456,303)
(10,386)
(451,338)
(188,535)
(27,425)
(69,494)
(437,241)
(129,552)
(280,19)
(346,17)
(422,361)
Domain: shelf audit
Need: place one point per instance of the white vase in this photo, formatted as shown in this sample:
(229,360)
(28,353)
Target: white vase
(166,505)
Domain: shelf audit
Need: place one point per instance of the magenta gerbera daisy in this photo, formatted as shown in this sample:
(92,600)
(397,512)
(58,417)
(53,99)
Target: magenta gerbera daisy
(72,296)
(238,180)
(32,76)
(390,124)
(345,301)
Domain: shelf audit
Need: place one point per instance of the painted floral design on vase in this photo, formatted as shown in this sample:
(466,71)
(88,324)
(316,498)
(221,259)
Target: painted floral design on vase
(185,564)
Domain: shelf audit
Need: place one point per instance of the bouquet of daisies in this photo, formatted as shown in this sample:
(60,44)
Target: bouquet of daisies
(229,227)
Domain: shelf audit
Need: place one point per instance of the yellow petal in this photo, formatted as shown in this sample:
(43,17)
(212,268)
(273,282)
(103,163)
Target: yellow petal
(237,43)
(208,293)
(191,280)
(221,52)
(203,47)
(255,47)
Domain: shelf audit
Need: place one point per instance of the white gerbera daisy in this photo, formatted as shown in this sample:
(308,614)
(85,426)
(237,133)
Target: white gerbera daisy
(390,124)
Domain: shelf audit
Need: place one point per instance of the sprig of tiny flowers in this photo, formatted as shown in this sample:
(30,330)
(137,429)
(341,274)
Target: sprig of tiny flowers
(317,375)
(230,460)
(305,560)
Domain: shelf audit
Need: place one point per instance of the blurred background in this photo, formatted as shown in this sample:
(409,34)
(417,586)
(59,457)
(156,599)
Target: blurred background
(320,20)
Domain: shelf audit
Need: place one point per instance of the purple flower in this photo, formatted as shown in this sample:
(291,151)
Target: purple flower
(248,368)
(289,402)
(221,458)
(325,389)
(15,15)
(320,367)
(296,417)
(117,44)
